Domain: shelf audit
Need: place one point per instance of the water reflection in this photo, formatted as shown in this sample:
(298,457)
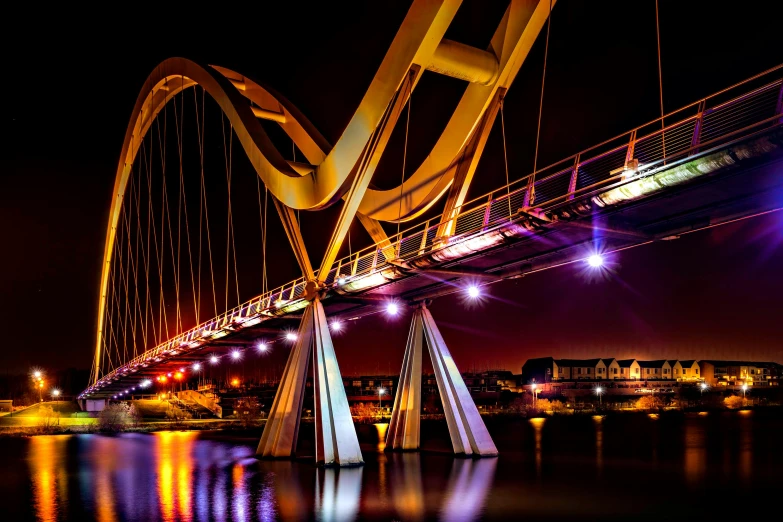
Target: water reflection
(469,485)
(746,445)
(173,451)
(337,494)
(695,451)
(407,490)
(599,442)
(538,426)
(50,486)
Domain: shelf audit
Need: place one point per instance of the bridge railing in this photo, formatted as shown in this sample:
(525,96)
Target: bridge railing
(748,107)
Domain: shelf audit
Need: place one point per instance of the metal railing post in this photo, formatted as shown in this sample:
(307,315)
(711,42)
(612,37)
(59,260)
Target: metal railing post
(424,234)
(574,177)
(355,264)
(487,212)
(696,140)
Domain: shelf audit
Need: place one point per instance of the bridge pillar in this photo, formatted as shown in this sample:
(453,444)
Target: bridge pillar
(335,435)
(404,430)
(469,435)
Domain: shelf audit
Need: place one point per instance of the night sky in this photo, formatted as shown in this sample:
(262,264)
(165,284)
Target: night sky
(70,83)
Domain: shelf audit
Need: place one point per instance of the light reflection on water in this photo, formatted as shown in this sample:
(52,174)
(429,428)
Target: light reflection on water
(186,476)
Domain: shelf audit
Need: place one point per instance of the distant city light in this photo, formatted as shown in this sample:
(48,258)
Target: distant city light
(196,367)
(703,386)
(168,374)
(337,326)
(213,359)
(599,390)
(392,309)
(37,374)
(163,378)
(234,382)
(145,383)
(236,355)
(262,347)
(290,336)
(595,260)
(55,393)
(473,291)
(178,376)
(182,370)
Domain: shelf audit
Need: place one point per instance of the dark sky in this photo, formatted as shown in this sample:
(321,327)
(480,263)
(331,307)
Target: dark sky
(72,76)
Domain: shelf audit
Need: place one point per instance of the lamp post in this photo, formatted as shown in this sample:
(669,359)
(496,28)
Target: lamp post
(534,387)
(600,391)
(381,391)
(744,389)
(702,387)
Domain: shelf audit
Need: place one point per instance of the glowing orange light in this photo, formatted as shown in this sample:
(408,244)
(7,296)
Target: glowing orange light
(178,375)
(163,378)
(235,382)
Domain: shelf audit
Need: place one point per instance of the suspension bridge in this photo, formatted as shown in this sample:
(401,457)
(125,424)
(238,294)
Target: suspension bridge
(711,162)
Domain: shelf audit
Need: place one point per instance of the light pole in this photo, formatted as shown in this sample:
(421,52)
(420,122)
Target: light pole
(534,387)
(702,387)
(744,389)
(381,391)
(599,391)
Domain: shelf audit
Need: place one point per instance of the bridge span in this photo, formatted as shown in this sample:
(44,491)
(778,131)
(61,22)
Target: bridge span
(714,161)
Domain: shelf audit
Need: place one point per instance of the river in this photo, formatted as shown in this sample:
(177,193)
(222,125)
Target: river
(620,467)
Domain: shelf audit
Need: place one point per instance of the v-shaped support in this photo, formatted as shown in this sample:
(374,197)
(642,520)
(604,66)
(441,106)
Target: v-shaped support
(469,435)
(335,435)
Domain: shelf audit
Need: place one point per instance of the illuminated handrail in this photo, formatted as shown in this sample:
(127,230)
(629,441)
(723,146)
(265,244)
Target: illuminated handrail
(609,164)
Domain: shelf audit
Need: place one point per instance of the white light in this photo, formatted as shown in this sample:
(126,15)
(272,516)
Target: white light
(291,336)
(473,291)
(703,386)
(599,390)
(145,383)
(381,391)
(595,261)
(744,387)
(533,386)
(182,370)
(37,374)
(392,309)
(114,397)
(341,281)
(262,347)
(337,326)
(168,374)
(213,359)
(196,367)
(56,393)
(236,355)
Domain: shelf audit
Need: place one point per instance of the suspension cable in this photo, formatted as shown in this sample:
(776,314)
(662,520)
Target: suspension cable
(404,160)
(660,80)
(206,209)
(162,253)
(263,235)
(505,154)
(184,199)
(230,239)
(531,183)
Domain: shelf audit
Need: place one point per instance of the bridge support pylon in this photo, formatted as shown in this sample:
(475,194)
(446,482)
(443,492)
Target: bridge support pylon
(335,435)
(469,435)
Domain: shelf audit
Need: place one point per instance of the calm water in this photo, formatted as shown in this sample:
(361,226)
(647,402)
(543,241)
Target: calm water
(632,466)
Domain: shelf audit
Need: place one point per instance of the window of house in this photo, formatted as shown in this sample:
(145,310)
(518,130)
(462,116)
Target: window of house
(637,371)
(684,371)
(561,369)
(370,383)
(696,371)
(357,384)
(614,371)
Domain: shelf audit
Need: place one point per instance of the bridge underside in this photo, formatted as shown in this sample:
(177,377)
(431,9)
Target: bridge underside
(742,187)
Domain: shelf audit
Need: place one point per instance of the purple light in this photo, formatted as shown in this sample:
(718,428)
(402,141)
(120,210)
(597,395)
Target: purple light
(473,291)
(392,309)
(236,355)
(290,336)
(262,347)
(595,261)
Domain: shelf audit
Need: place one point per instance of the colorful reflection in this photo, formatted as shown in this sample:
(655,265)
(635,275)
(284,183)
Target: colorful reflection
(173,453)
(598,422)
(695,451)
(337,493)
(538,426)
(469,485)
(746,446)
(407,488)
(47,472)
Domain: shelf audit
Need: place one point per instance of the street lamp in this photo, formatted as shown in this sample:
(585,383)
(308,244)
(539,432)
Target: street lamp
(534,387)
(381,391)
(55,393)
(599,391)
(744,389)
(702,387)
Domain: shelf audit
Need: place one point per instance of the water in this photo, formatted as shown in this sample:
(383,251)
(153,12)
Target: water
(674,466)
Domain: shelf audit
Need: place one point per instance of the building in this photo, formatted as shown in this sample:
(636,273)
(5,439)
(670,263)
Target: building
(6,405)
(629,369)
(686,371)
(737,373)
(655,370)
(612,368)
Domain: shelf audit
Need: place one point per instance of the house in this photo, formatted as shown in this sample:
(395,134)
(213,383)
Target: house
(629,369)
(538,370)
(735,373)
(655,370)
(687,371)
(612,368)
(578,369)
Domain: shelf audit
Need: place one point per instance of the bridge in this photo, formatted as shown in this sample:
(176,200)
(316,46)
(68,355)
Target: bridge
(714,161)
